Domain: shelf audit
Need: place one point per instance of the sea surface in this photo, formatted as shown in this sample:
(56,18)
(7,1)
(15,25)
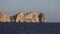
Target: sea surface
(30,28)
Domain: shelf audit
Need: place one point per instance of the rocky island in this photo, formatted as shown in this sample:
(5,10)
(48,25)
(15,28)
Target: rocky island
(21,17)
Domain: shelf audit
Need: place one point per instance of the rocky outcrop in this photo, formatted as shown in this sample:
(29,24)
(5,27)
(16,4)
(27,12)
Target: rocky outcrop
(21,17)
(4,18)
(31,17)
(42,17)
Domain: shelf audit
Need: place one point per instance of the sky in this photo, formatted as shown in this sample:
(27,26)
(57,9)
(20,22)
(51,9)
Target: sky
(51,8)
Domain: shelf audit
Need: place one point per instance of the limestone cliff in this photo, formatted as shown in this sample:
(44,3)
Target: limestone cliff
(21,17)
(4,18)
(31,17)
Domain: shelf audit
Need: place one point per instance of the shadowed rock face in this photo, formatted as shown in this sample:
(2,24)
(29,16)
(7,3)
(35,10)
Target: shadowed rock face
(42,17)
(21,17)
(4,18)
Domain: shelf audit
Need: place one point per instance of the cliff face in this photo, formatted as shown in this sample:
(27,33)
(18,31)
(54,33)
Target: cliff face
(4,18)
(42,17)
(31,17)
(21,17)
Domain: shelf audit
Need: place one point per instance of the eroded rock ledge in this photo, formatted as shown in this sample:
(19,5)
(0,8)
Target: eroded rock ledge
(21,17)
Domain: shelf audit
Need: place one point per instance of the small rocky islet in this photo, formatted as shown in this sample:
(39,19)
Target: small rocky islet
(33,17)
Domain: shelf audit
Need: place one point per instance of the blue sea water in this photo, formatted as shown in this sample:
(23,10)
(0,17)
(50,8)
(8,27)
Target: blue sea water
(30,28)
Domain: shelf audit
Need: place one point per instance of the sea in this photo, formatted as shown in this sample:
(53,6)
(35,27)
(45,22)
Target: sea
(30,28)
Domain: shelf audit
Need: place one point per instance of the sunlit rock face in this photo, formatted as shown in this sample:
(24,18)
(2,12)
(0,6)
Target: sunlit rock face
(31,17)
(20,17)
(4,18)
(42,17)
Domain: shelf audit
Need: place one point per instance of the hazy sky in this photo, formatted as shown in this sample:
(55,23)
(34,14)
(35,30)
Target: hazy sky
(51,8)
